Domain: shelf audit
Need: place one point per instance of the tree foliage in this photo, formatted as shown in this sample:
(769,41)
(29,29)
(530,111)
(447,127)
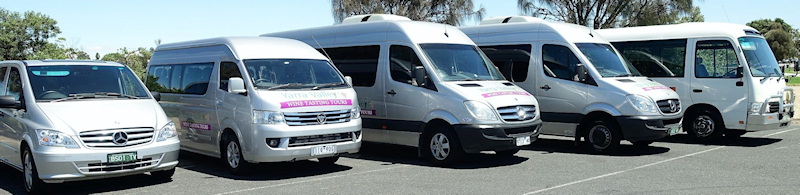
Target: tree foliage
(782,38)
(453,12)
(612,13)
(22,35)
(58,50)
(135,59)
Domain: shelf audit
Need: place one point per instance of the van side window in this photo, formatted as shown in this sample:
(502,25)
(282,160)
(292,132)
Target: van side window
(402,61)
(226,71)
(358,62)
(179,78)
(715,59)
(559,62)
(3,71)
(512,60)
(14,87)
(664,58)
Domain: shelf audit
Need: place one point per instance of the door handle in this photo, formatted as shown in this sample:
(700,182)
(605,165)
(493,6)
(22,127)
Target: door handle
(545,87)
(697,90)
(391,92)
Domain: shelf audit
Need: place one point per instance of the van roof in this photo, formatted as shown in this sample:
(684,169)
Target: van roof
(63,62)
(678,31)
(369,31)
(253,47)
(529,29)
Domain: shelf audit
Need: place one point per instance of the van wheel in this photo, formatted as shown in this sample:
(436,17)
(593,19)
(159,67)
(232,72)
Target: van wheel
(232,154)
(329,160)
(507,153)
(164,175)
(704,125)
(442,146)
(33,184)
(602,136)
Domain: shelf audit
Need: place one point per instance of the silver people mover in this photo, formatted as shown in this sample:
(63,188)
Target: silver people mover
(67,120)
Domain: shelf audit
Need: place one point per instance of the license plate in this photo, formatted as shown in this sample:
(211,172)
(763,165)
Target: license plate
(323,150)
(122,157)
(525,140)
(674,130)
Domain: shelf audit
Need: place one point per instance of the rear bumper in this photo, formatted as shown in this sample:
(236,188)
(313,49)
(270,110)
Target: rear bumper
(477,138)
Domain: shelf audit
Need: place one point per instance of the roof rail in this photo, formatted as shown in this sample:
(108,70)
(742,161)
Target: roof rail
(373,17)
(510,19)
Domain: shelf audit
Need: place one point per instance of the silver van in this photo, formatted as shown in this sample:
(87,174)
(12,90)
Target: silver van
(66,120)
(255,99)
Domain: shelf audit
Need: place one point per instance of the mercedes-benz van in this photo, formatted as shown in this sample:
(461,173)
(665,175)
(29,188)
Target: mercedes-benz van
(586,89)
(426,85)
(256,99)
(728,79)
(69,120)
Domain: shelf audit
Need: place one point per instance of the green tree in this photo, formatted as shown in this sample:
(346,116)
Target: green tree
(780,36)
(135,59)
(606,14)
(453,12)
(22,35)
(57,50)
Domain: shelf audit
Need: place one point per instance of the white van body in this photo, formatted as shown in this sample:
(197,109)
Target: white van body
(278,113)
(717,99)
(532,52)
(460,106)
(70,120)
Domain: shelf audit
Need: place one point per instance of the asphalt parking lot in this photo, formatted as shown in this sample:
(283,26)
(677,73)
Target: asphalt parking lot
(766,162)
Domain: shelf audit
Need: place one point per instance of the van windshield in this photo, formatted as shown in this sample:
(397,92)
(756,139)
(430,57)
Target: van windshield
(759,57)
(606,60)
(460,63)
(65,82)
(274,74)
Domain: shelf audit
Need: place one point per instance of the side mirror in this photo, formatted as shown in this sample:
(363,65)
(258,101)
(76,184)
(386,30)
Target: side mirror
(156,95)
(739,72)
(419,76)
(348,80)
(236,85)
(580,73)
(8,101)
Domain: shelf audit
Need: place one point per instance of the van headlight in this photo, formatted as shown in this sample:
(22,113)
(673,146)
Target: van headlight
(480,111)
(55,138)
(166,132)
(755,107)
(355,112)
(642,103)
(267,117)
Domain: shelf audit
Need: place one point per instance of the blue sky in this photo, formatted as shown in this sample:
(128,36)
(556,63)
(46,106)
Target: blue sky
(105,26)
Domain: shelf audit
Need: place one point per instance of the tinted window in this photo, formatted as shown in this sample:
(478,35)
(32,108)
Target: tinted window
(606,60)
(715,59)
(402,61)
(226,71)
(512,60)
(179,78)
(759,57)
(14,87)
(55,82)
(559,62)
(3,71)
(360,63)
(292,74)
(665,58)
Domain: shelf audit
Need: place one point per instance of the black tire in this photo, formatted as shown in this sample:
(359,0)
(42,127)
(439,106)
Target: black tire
(642,144)
(441,146)
(164,175)
(329,160)
(232,154)
(602,136)
(734,133)
(30,176)
(704,125)
(507,153)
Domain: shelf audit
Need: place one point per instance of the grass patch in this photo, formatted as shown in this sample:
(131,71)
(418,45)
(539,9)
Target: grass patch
(793,81)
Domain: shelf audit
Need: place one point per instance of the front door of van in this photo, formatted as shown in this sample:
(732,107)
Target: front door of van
(233,109)
(195,104)
(11,127)
(561,96)
(714,80)
(7,136)
(404,100)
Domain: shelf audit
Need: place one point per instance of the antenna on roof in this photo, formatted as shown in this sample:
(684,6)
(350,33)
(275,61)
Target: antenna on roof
(323,50)
(445,30)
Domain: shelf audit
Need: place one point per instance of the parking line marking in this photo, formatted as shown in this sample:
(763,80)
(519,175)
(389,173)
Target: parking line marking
(643,166)
(310,180)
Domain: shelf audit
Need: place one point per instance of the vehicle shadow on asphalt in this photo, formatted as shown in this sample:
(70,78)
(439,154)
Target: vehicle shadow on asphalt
(547,146)
(11,181)
(396,154)
(258,172)
(743,141)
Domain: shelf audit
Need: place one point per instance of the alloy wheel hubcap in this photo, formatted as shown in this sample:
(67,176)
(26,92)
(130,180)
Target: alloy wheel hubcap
(233,154)
(703,126)
(440,146)
(600,137)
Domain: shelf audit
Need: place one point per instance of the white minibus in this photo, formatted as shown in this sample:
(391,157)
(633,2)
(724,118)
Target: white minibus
(255,99)
(726,74)
(427,85)
(585,87)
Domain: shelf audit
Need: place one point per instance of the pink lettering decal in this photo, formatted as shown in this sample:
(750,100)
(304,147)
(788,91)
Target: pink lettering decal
(655,88)
(306,103)
(199,126)
(500,93)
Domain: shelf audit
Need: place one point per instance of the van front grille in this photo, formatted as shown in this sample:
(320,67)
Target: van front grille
(317,118)
(320,139)
(517,113)
(774,107)
(669,106)
(115,138)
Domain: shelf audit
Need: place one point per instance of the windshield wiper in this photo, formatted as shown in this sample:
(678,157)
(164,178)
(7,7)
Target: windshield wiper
(325,85)
(287,85)
(116,95)
(623,75)
(75,96)
(473,80)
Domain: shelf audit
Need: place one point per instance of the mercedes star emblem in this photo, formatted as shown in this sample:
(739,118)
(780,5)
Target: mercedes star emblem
(120,138)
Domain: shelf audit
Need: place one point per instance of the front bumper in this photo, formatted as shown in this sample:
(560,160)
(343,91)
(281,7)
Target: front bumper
(477,138)
(257,149)
(768,121)
(56,165)
(640,128)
